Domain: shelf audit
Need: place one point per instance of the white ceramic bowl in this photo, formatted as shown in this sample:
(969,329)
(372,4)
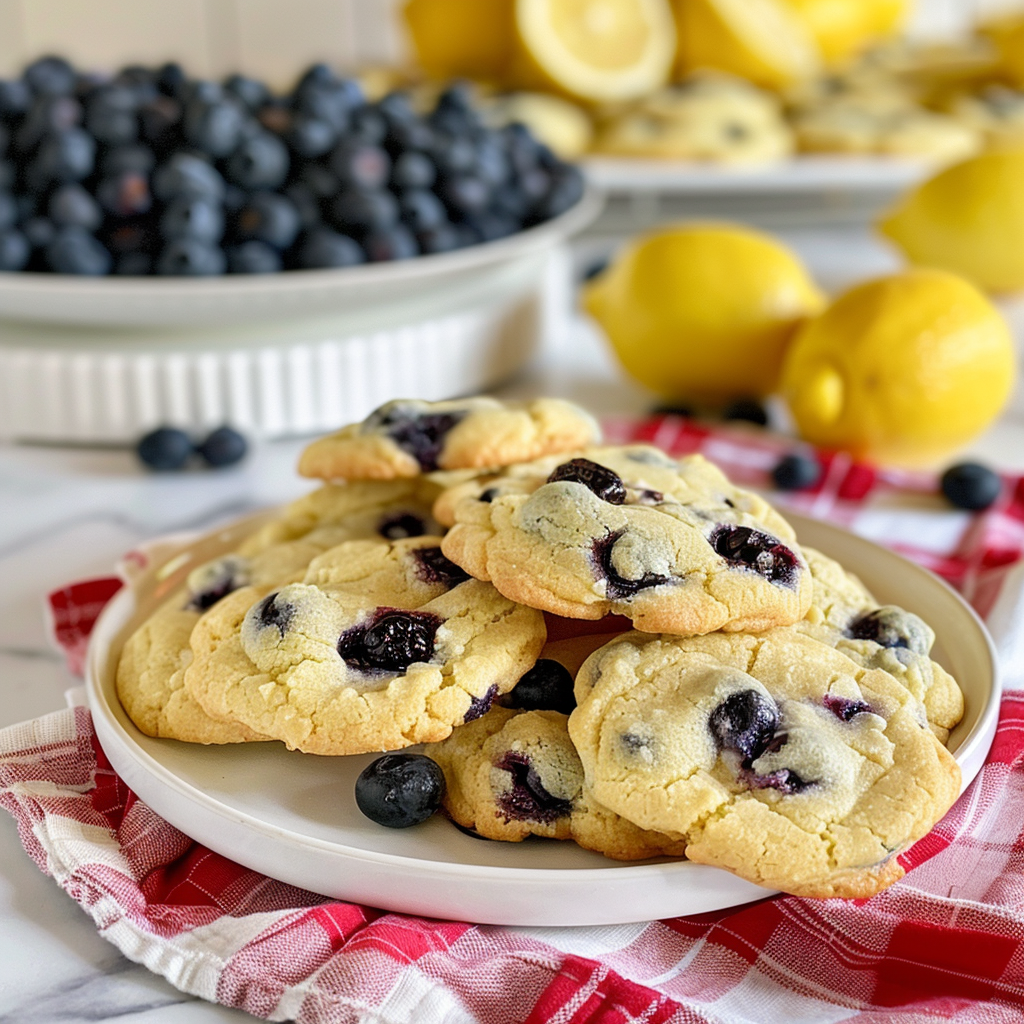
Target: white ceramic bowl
(106,359)
(293,816)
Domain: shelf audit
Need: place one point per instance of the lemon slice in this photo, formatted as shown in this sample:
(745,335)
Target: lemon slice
(594,50)
(764,41)
(842,28)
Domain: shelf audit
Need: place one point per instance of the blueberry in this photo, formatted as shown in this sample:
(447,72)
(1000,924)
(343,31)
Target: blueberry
(249,91)
(971,486)
(222,447)
(673,409)
(464,193)
(50,76)
(399,790)
(7,174)
(214,128)
(14,250)
(397,108)
(421,210)
(310,136)
(422,435)
(408,136)
(748,410)
(253,258)
(196,219)
(443,238)
(187,176)
(401,525)
(271,612)
(306,204)
(391,641)
(359,210)
(171,80)
(125,195)
(159,120)
(270,218)
(165,448)
(548,686)
(745,722)
(190,257)
(491,226)
(323,248)
(74,251)
(565,192)
(796,472)
(15,97)
(393,243)
(479,706)
(326,102)
(785,781)
(211,582)
(891,626)
(368,125)
(413,170)
(39,232)
(72,206)
(67,156)
(432,566)
(259,162)
(360,166)
(603,482)
(46,116)
(110,114)
(527,799)
(321,182)
(845,709)
(619,587)
(751,549)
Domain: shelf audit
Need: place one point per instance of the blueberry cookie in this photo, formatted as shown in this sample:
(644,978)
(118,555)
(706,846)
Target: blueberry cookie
(151,668)
(514,774)
(774,756)
(997,112)
(388,509)
(671,545)
(708,118)
(381,646)
(844,614)
(405,438)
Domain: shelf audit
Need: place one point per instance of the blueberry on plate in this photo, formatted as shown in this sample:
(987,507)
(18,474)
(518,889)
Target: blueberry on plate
(190,257)
(399,790)
(971,486)
(223,447)
(548,686)
(14,250)
(165,448)
(253,257)
(796,472)
(324,248)
(74,251)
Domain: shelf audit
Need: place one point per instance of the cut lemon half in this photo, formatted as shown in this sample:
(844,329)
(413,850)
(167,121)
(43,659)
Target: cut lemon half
(843,28)
(599,51)
(764,41)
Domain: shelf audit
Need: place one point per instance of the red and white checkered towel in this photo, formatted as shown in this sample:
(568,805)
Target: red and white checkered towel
(947,942)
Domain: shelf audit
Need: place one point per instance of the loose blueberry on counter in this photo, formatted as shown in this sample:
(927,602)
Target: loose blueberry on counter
(747,410)
(796,472)
(971,486)
(548,686)
(165,448)
(603,482)
(399,790)
(222,447)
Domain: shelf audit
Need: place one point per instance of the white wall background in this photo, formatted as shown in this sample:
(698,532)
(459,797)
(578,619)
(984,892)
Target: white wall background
(270,38)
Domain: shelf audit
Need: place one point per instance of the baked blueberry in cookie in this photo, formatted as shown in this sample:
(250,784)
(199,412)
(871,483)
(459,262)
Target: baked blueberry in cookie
(526,799)
(391,640)
(745,722)
(619,587)
(890,626)
(420,434)
(433,567)
(745,548)
(210,582)
(548,686)
(397,525)
(605,483)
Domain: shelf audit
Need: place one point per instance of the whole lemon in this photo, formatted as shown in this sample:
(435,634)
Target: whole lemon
(901,370)
(969,218)
(703,311)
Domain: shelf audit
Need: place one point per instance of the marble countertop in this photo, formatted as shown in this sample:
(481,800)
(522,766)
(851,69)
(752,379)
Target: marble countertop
(70,513)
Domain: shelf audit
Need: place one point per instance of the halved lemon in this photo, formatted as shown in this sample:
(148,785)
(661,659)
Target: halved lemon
(843,28)
(764,41)
(594,50)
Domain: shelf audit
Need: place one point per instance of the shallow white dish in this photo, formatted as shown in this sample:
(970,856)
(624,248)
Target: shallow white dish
(293,816)
(156,302)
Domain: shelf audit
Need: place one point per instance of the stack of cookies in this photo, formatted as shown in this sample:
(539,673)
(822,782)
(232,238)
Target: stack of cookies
(598,644)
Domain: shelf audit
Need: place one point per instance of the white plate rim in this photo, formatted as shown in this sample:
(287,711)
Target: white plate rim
(972,750)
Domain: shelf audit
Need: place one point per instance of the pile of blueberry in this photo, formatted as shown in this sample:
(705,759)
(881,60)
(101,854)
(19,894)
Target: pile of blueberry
(150,172)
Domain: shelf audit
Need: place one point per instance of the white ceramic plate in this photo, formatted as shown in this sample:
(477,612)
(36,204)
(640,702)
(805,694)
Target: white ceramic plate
(244,298)
(293,816)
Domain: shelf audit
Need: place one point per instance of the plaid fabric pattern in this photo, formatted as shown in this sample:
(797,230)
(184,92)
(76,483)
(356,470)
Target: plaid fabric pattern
(947,942)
